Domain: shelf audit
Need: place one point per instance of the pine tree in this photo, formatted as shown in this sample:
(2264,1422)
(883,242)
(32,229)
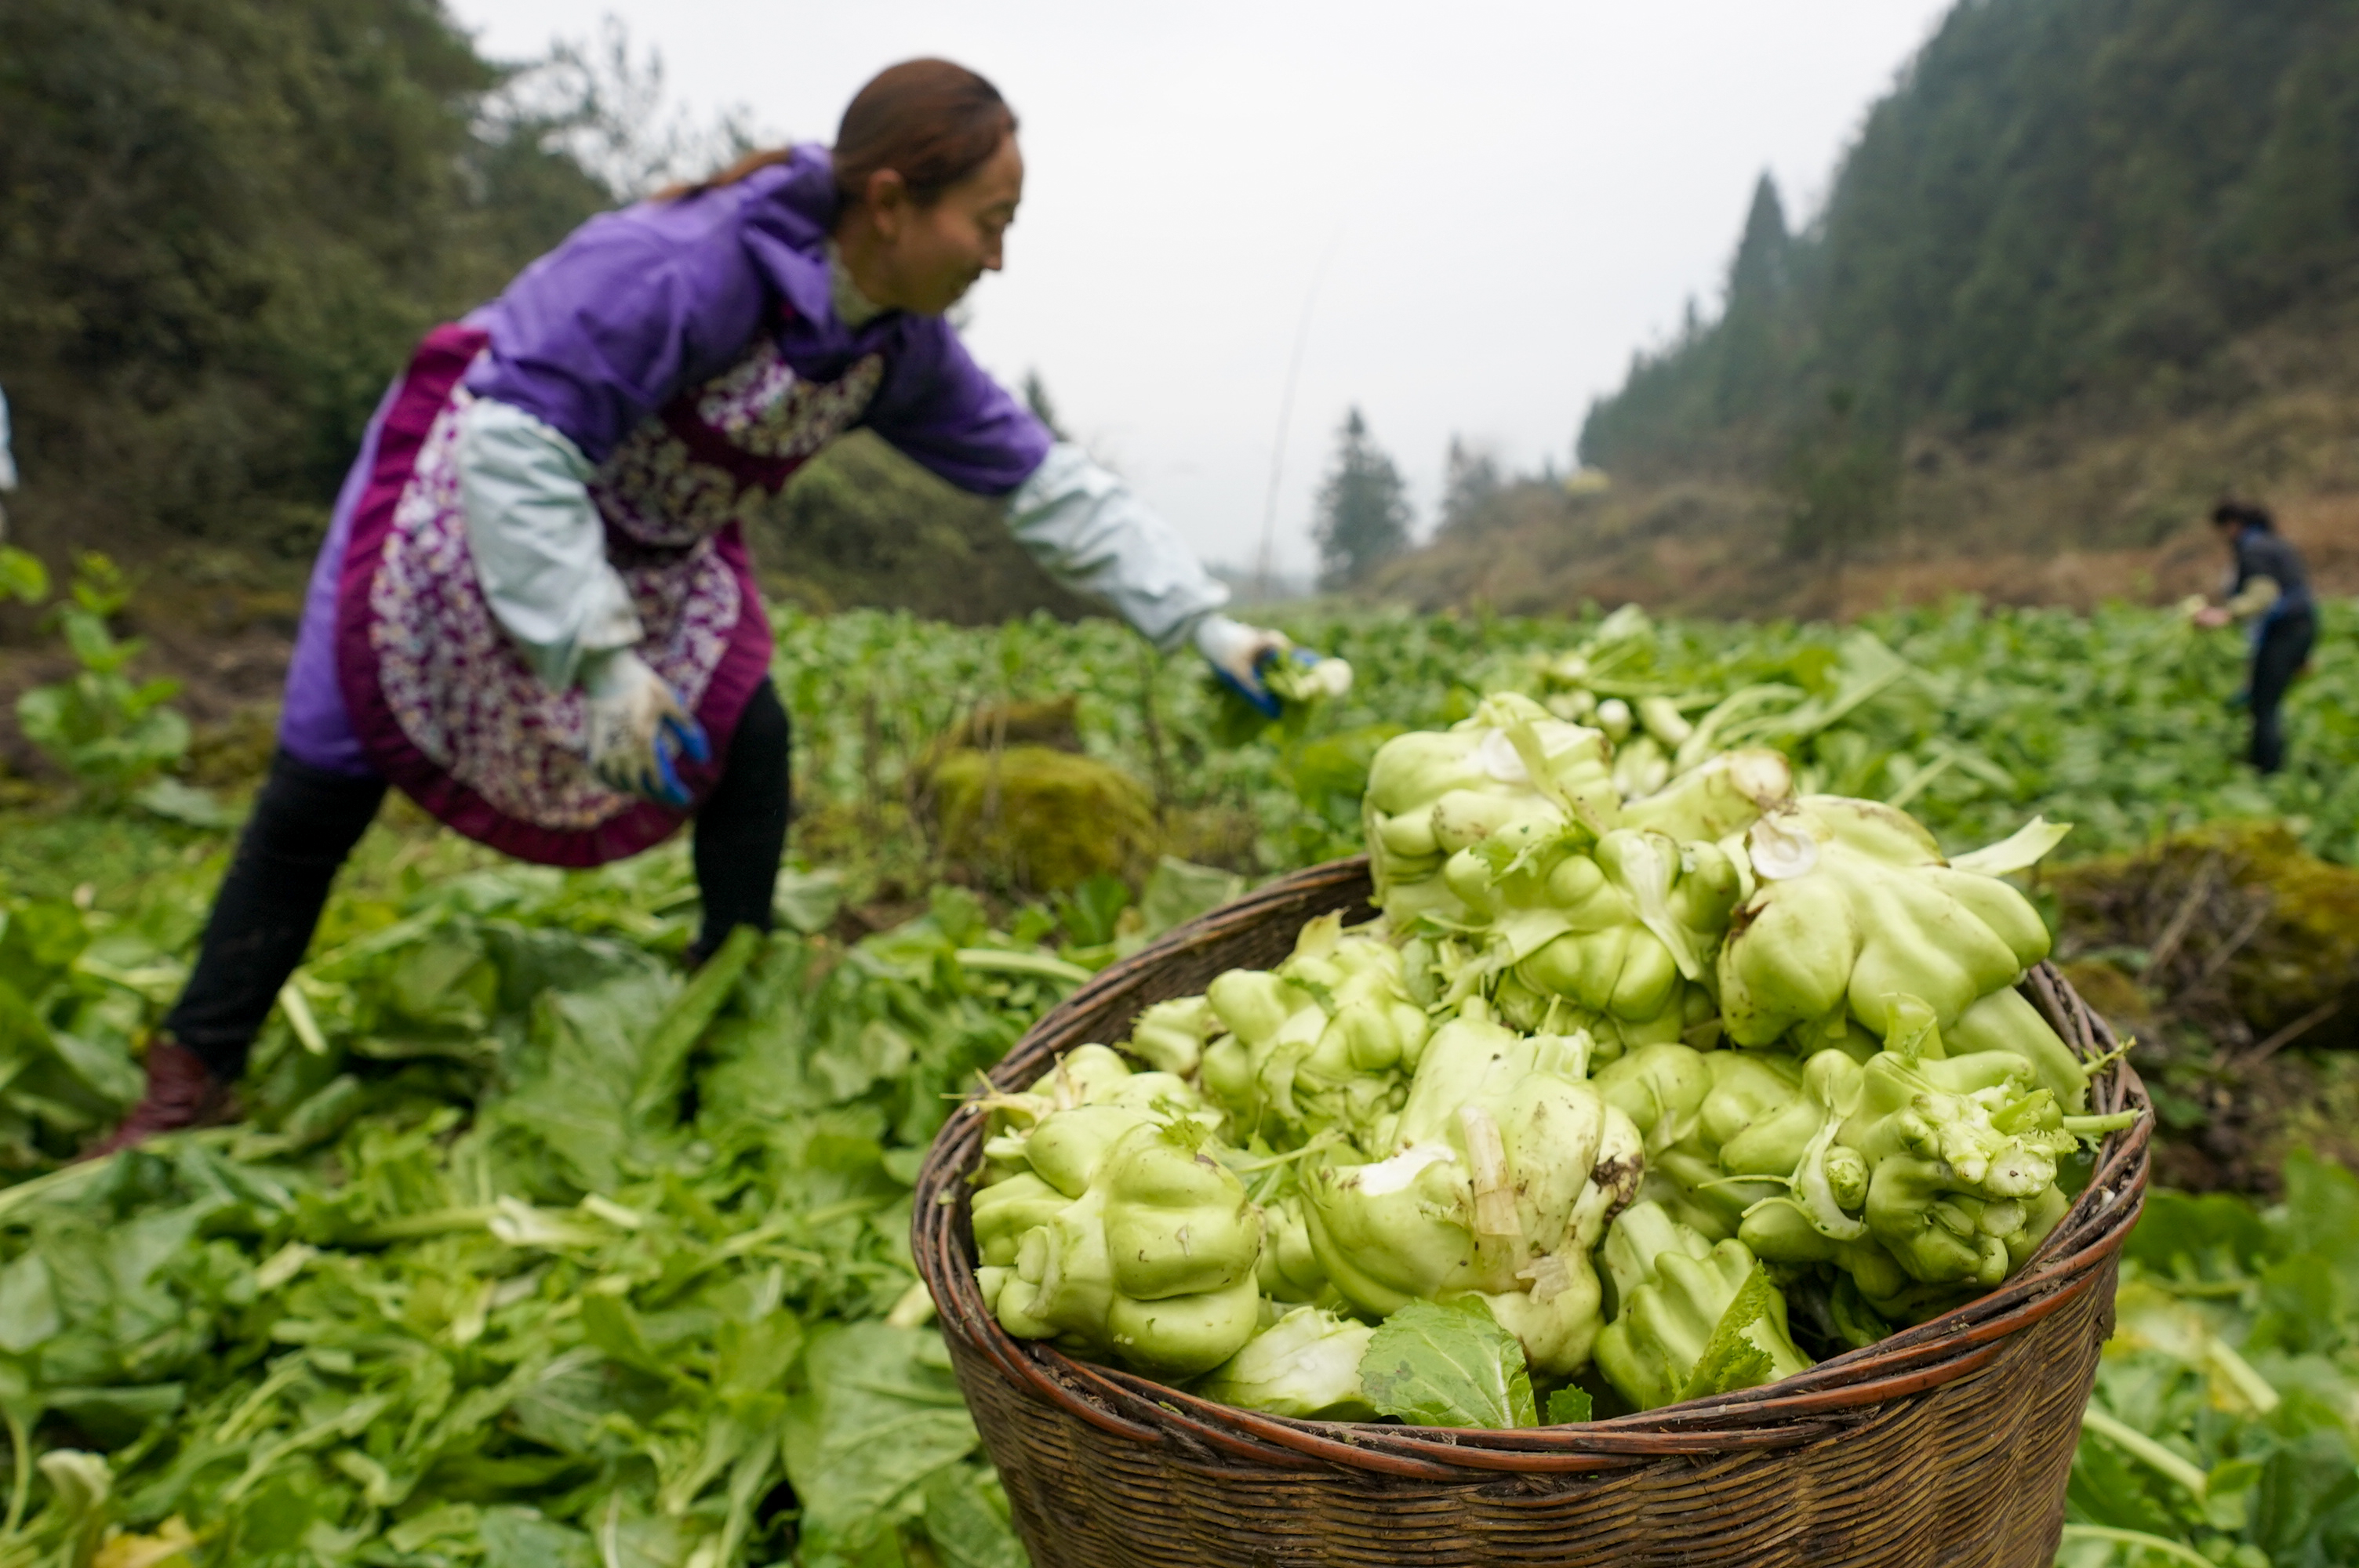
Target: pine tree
(1364,513)
(1839,482)
(1759,274)
(1470,480)
(1747,336)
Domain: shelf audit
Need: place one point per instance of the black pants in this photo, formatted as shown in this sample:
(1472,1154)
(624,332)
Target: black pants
(307,821)
(2284,648)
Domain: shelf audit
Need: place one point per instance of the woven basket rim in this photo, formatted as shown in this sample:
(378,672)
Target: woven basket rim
(1836,1391)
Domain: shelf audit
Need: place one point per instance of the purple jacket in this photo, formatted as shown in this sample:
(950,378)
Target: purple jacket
(638,305)
(635,304)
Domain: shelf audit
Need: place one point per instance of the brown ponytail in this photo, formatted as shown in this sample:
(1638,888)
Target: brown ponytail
(929,121)
(745,164)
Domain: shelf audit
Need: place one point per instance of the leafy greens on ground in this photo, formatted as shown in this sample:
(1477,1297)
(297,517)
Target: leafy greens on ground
(553,1255)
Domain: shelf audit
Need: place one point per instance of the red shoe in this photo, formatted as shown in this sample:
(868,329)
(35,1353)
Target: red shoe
(181,1092)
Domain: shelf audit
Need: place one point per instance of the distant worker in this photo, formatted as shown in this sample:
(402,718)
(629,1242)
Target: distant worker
(533,611)
(2269,592)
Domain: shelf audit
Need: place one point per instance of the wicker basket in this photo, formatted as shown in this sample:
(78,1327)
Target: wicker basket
(1946,1445)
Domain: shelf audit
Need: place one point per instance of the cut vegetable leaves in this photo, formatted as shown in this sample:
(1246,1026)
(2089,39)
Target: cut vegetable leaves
(526,1280)
(1570,1406)
(1739,1354)
(1449,1365)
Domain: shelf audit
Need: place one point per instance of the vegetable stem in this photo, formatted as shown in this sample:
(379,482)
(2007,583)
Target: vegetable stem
(2138,1446)
(1040,966)
(297,1008)
(20,1489)
(2139,1540)
(413,1227)
(2239,1372)
(65,1183)
(2098,1126)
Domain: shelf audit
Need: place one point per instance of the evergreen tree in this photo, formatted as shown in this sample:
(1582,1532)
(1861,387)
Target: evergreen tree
(1757,276)
(1838,483)
(1748,345)
(1469,483)
(1364,513)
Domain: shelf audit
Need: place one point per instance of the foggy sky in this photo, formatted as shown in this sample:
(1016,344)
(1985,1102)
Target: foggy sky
(1508,199)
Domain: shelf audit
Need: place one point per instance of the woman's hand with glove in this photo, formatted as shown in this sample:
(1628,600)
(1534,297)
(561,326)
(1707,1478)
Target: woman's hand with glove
(637,728)
(1242,656)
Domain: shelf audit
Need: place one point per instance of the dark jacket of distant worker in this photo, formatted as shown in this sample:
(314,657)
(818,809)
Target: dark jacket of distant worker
(534,612)
(2268,593)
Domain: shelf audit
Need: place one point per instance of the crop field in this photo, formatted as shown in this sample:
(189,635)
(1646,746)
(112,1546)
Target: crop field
(534,1248)
(2121,723)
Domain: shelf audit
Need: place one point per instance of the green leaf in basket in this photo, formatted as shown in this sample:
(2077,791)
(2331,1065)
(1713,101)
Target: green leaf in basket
(1731,1360)
(1448,1365)
(1570,1406)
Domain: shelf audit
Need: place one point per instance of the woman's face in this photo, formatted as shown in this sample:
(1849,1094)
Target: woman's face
(928,256)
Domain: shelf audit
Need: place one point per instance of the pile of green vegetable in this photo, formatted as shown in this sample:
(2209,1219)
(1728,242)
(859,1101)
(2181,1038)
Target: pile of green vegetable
(1759,1053)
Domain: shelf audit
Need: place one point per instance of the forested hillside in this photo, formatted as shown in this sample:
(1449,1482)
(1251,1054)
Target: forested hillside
(2064,197)
(221,227)
(225,226)
(2090,264)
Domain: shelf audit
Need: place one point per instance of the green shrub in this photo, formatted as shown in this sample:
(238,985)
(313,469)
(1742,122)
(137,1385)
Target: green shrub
(112,734)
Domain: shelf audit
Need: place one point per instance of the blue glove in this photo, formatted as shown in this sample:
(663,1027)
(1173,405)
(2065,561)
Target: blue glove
(638,729)
(1272,669)
(1247,658)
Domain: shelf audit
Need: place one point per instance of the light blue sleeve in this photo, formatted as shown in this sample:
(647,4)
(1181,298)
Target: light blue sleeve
(539,543)
(7,453)
(1080,521)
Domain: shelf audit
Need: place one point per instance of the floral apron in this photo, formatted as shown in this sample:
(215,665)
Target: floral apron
(443,703)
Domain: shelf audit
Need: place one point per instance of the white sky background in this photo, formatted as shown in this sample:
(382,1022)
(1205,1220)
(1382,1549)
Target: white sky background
(1515,195)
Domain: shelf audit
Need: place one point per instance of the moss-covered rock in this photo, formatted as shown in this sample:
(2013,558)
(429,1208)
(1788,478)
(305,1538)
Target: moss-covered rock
(2236,920)
(1042,820)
